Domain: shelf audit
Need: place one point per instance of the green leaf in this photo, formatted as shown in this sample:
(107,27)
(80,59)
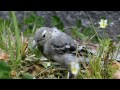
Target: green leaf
(4,66)
(17,36)
(4,70)
(76,33)
(40,22)
(27,76)
(79,23)
(88,31)
(1,20)
(56,21)
(34,20)
(103,17)
(30,19)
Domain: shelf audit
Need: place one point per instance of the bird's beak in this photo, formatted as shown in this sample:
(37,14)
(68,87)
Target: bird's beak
(34,44)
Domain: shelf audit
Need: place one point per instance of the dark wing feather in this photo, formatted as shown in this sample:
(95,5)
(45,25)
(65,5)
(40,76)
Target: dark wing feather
(64,44)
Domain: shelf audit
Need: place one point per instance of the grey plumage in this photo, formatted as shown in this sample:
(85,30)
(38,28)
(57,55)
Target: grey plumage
(58,46)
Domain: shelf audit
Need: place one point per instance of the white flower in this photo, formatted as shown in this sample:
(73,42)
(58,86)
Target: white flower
(103,23)
(74,67)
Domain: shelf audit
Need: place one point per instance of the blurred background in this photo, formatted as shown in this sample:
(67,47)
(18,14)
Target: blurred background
(69,18)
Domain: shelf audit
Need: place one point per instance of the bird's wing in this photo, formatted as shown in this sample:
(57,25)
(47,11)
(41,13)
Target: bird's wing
(65,44)
(62,44)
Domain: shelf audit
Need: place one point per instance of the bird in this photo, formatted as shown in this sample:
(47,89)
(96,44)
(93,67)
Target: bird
(58,46)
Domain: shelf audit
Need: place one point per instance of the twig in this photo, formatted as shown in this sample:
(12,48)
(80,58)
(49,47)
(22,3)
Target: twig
(53,70)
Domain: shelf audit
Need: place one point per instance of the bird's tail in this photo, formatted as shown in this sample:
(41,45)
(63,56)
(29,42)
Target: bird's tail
(84,54)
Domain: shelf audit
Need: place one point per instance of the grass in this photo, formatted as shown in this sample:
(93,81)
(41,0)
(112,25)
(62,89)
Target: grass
(20,61)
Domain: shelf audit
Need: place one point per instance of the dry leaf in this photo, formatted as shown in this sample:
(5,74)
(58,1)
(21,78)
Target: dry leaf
(24,46)
(116,75)
(4,56)
(37,70)
(13,73)
(34,73)
(116,65)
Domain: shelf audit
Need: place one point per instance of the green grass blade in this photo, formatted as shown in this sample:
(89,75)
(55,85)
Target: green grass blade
(17,36)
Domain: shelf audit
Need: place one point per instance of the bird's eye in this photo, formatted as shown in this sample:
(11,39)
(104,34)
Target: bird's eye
(44,35)
(38,40)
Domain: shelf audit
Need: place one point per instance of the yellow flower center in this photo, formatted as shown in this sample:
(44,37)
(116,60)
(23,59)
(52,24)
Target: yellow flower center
(103,23)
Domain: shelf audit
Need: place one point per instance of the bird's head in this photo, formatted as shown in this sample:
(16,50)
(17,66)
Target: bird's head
(41,36)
